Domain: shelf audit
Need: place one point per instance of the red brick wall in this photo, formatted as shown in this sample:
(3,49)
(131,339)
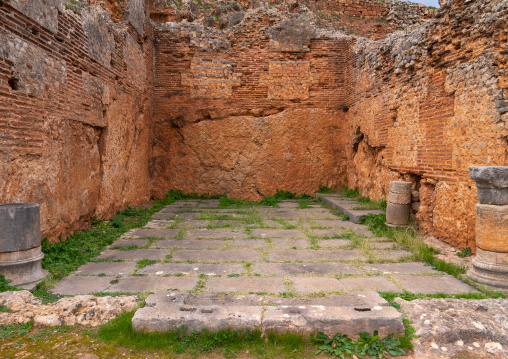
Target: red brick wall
(259,87)
(73,116)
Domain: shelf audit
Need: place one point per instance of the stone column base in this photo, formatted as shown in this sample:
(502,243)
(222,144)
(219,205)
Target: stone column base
(490,268)
(23,268)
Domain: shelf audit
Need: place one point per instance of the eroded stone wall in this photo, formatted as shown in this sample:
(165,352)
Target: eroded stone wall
(249,110)
(429,104)
(75,106)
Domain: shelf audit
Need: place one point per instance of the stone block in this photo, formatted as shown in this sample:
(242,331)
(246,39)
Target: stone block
(73,285)
(307,285)
(290,243)
(203,233)
(333,243)
(303,268)
(135,254)
(108,268)
(434,284)
(314,255)
(206,255)
(378,284)
(192,268)
(149,232)
(141,284)
(333,320)
(277,233)
(129,242)
(189,244)
(247,244)
(402,268)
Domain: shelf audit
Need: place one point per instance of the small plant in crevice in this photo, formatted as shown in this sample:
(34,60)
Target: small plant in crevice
(342,346)
(466,252)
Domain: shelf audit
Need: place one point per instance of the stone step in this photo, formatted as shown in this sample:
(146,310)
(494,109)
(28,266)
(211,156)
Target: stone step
(348,314)
(346,205)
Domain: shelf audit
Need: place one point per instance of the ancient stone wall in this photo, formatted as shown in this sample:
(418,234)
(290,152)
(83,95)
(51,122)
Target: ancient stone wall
(251,109)
(75,106)
(429,104)
(401,13)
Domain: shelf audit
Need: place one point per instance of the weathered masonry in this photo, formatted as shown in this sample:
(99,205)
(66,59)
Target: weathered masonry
(102,108)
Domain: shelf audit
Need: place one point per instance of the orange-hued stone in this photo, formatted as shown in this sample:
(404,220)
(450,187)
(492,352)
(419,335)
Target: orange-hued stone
(492,227)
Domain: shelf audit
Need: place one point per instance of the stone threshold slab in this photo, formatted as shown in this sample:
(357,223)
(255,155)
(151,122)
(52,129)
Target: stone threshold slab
(349,314)
(346,205)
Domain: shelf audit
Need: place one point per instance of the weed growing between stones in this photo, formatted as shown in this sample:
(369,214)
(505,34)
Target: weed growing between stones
(342,346)
(4,284)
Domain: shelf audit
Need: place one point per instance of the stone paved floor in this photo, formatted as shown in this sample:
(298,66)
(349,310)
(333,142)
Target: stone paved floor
(198,247)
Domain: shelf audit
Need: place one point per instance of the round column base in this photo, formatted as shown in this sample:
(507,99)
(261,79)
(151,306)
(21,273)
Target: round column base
(23,268)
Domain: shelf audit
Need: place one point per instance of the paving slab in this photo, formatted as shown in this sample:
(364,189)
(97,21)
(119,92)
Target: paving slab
(163,216)
(228,223)
(144,283)
(277,233)
(393,254)
(193,223)
(150,232)
(303,268)
(248,244)
(108,268)
(290,243)
(356,299)
(194,268)
(73,285)
(402,268)
(334,223)
(135,254)
(245,284)
(314,255)
(385,245)
(329,233)
(333,243)
(346,206)
(379,284)
(210,255)
(271,223)
(214,234)
(305,285)
(289,204)
(188,215)
(446,284)
(189,243)
(129,242)
(160,223)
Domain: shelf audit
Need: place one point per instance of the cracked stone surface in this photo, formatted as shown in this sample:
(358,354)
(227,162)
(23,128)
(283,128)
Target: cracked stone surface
(481,332)
(269,250)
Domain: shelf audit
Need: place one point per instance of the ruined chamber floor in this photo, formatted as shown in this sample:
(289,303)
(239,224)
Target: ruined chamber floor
(302,269)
